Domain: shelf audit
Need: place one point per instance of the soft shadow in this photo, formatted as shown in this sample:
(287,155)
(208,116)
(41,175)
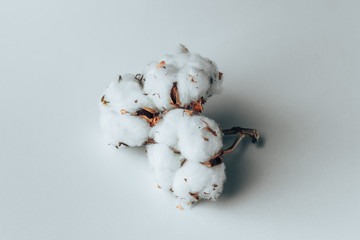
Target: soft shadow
(240,167)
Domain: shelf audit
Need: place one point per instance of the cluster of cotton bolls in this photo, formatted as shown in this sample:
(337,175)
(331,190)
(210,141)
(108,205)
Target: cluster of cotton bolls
(185,156)
(160,109)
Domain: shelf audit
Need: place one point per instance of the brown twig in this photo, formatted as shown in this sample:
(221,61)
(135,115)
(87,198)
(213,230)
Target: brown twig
(251,133)
(234,145)
(241,134)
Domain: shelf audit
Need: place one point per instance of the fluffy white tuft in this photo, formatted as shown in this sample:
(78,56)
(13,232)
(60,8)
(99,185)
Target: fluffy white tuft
(183,144)
(195,181)
(121,99)
(196,77)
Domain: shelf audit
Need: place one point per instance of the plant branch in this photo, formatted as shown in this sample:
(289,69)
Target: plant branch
(234,145)
(251,133)
(241,134)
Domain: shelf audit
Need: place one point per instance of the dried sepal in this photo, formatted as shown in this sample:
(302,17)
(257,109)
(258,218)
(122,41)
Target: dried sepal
(195,195)
(122,143)
(188,112)
(174,96)
(192,79)
(150,141)
(197,106)
(150,110)
(154,121)
(139,78)
(123,111)
(215,160)
(149,114)
(220,75)
(183,48)
(207,128)
(212,162)
(175,150)
(183,162)
(206,139)
(104,102)
(162,63)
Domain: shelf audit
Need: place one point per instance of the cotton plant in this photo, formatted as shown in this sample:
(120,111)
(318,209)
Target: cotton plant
(161,109)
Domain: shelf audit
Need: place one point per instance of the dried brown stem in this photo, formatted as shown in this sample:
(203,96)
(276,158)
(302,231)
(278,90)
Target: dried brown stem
(251,133)
(241,134)
(234,145)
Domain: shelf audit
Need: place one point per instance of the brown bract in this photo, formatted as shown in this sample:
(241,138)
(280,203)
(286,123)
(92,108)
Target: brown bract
(215,160)
(212,162)
(195,195)
(175,150)
(104,102)
(192,79)
(193,107)
(174,96)
(179,207)
(150,141)
(139,77)
(162,63)
(184,49)
(183,162)
(197,106)
(207,128)
(121,143)
(123,111)
(149,114)
(188,112)
(220,75)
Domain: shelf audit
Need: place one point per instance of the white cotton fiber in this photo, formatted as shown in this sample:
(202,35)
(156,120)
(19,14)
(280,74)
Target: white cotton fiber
(183,145)
(195,78)
(194,181)
(124,129)
(125,94)
(198,138)
(118,106)
(164,163)
(159,109)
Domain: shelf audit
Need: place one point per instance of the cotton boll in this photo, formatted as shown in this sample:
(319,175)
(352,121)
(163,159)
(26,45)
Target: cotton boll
(125,94)
(124,129)
(192,84)
(164,162)
(167,130)
(184,144)
(194,181)
(193,76)
(126,112)
(158,83)
(200,138)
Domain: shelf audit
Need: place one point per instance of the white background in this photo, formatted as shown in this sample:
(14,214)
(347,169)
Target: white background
(291,70)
